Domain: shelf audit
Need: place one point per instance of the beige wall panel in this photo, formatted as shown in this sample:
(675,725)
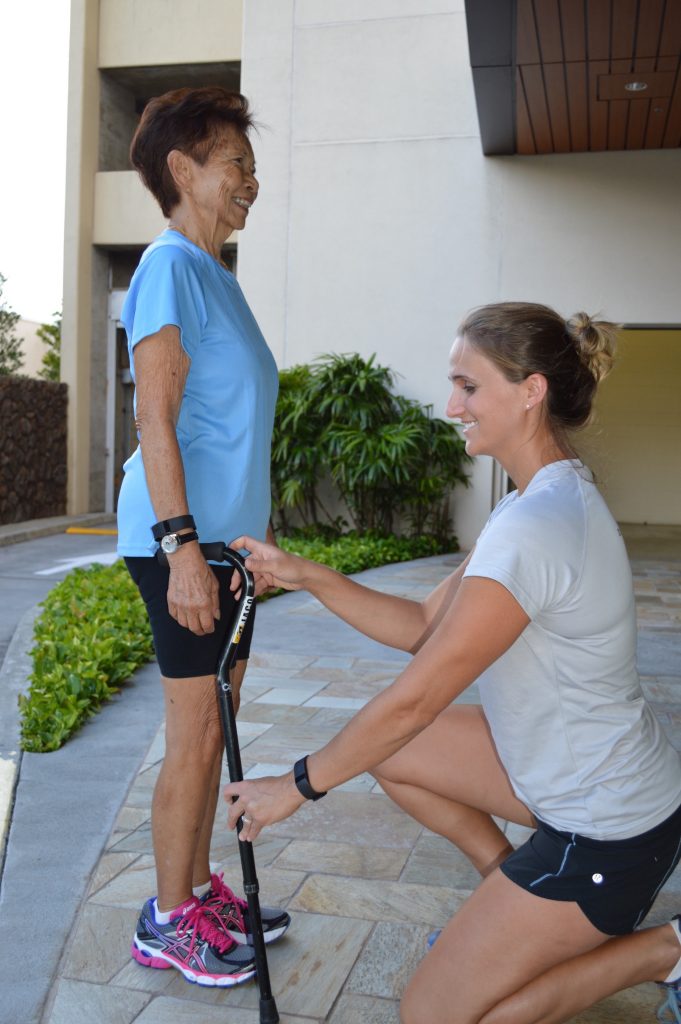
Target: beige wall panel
(366,80)
(139,33)
(32,347)
(310,12)
(266,79)
(594,231)
(125,213)
(635,446)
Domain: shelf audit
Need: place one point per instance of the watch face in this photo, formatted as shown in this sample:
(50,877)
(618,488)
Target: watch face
(169,543)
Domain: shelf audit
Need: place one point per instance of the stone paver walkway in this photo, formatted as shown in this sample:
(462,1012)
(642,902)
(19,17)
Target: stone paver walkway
(364,883)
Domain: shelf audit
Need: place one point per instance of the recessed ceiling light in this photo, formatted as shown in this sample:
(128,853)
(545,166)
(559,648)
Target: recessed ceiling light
(636,86)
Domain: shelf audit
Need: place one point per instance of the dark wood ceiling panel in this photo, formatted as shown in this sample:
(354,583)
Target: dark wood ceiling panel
(618,118)
(576,75)
(524,138)
(639,109)
(670,41)
(556,98)
(598,109)
(672,131)
(585,74)
(573,31)
(527,45)
(650,27)
(618,110)
(657,134)
(535,94)
(618,86)
(636,126)
(624,31)
(547,19)
(597,27)
(657,119)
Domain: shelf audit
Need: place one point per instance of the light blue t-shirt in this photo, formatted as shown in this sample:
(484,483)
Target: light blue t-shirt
(225,423)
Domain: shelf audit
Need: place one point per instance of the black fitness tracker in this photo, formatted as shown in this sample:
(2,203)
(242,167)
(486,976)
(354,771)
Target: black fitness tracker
(165,526)
(302,781)
(172,541)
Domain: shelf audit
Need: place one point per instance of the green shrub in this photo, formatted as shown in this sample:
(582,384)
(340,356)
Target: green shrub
(391,461)
(94,632)
(354,552)
(91,636)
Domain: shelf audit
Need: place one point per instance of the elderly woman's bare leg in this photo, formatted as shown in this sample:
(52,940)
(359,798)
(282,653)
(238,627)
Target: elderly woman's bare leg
(201,871)
(182,795)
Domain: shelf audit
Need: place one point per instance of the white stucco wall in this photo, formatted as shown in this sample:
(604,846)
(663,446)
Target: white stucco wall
(32,348)
(380,222)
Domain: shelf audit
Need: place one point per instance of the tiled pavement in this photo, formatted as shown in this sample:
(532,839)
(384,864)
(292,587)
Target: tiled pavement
(365,884)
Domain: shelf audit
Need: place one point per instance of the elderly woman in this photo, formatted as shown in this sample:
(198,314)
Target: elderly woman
(205,392)
(541,614)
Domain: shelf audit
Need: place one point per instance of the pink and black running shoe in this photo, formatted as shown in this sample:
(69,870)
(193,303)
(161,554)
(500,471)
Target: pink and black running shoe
(231,914)
(193,945)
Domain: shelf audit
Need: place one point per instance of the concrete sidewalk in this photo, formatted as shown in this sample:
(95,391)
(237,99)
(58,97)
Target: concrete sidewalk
(364,883)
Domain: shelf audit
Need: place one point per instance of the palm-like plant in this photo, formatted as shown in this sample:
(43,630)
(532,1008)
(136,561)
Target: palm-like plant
(389,458)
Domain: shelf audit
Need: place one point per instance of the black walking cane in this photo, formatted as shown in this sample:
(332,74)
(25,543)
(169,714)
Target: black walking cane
(268,1007)
(219,552)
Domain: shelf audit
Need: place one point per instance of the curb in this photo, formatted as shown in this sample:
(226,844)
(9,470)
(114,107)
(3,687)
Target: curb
(14,673)
(17,533)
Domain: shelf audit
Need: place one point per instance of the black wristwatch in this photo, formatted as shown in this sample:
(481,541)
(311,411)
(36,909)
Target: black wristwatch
(302,781)
(172,541)
(165,526)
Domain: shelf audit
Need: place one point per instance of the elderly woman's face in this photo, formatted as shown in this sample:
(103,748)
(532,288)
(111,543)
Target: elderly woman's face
(225,187)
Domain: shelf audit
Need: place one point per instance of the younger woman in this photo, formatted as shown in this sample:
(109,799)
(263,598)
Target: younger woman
(540,614)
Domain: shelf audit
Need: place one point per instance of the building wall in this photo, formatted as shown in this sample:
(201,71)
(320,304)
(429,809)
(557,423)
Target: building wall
(634,446)
(32,348)
(145,33)
(380,222)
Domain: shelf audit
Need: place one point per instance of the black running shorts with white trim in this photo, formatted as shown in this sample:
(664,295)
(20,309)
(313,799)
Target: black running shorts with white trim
(182,654)
(614,882)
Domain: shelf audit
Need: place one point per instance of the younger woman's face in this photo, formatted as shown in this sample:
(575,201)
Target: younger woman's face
(491,409)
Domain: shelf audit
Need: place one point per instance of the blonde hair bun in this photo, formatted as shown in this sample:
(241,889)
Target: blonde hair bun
(595,341)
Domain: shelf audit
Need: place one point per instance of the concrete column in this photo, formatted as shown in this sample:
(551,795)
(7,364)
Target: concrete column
(81,165)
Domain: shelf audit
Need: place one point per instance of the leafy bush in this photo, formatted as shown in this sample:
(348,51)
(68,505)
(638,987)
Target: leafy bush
(50,335)
(91,636)
(389,458)
(94,631)
(354,552)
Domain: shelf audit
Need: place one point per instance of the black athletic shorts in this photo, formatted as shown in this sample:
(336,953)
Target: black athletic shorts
(181,653)
(614,882)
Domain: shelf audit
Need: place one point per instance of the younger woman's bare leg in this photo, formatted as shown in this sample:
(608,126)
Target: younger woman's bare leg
(573,986)
(450,779)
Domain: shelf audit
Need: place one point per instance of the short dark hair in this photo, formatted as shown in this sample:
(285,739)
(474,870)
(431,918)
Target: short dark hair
(191,121)
(522,338)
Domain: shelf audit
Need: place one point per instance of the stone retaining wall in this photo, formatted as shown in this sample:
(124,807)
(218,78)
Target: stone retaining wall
(32,449)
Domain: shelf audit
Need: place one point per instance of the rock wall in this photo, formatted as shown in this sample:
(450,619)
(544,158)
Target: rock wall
(32,449)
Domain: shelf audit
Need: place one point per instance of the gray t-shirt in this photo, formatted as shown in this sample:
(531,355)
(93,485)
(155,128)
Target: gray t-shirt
(581,746)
